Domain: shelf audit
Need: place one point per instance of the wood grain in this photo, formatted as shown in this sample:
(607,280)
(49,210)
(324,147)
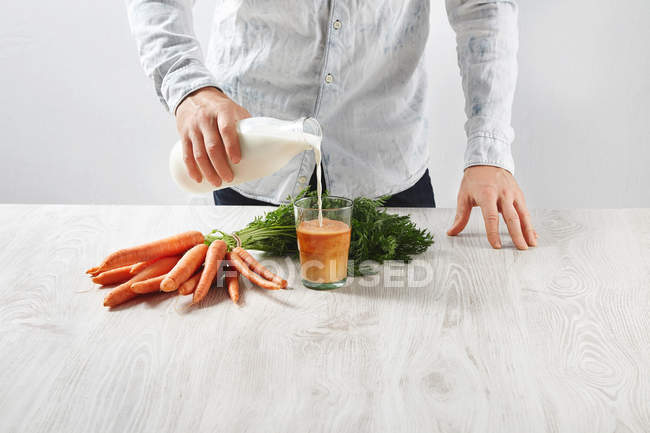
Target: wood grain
(554,339)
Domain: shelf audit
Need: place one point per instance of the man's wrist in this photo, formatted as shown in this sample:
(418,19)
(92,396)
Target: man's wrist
(197,93)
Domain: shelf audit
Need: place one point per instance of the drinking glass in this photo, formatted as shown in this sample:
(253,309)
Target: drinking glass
(323,248)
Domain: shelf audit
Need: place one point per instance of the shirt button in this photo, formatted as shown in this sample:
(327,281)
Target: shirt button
(302,179)
(329,78)
(337,25)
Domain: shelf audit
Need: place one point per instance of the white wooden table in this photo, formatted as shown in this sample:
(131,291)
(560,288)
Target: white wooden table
(554,339)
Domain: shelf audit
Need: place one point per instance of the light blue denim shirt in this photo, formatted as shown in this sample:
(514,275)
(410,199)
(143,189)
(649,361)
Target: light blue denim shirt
(355,66)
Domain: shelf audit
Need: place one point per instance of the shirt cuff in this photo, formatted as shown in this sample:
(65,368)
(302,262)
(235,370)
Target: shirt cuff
(183,81)
(485,149)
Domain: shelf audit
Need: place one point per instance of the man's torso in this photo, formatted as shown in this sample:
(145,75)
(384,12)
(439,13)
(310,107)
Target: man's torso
(355,66)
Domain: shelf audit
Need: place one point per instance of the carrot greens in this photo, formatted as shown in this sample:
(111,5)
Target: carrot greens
(376,235)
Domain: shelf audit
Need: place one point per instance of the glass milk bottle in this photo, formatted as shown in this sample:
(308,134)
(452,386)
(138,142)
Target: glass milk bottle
(266,145)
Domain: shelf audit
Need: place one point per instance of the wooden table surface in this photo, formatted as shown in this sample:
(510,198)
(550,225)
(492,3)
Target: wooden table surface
(554,339)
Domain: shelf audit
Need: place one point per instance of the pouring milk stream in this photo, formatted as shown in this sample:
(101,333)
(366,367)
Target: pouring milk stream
(266,145)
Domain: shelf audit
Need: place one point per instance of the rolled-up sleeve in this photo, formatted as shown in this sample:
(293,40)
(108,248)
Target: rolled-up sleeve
(487,42)
(169,50)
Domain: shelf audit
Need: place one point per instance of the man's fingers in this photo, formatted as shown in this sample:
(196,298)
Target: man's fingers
(513,222)
(526,224)
(491,218)
(463,211)
(188,159)
(228,130)
(216,152)
(203,160)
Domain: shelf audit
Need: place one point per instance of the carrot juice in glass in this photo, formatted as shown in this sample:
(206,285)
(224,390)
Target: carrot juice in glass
(323,241)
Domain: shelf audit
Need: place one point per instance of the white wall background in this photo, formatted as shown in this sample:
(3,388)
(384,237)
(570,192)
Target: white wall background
(80,122)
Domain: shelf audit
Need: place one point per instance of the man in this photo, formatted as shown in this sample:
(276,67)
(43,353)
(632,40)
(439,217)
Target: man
(356,67)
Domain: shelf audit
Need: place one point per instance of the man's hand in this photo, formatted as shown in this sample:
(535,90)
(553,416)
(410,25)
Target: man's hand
(494,190)
(207,123)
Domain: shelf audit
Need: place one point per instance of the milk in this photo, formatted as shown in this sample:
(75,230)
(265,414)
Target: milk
(266,145)
(319,186)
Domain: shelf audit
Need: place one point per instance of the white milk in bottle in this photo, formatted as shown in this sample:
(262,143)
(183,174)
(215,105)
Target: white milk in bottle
(266,145)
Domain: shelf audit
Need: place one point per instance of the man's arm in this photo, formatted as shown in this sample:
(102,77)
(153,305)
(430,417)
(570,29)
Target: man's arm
(486,35)
(171,55)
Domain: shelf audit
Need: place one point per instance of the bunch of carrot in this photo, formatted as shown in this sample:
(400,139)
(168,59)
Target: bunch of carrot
(183,262)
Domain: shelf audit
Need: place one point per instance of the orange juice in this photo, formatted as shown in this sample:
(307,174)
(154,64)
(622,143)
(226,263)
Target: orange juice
(323,250)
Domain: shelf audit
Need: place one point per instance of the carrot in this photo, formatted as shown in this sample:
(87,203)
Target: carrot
(123,292)
(169,246)
(120,295)
(93,271)
(185,267)
(213,258)
(258,268)
(117,275)
(140,266)
(148,286)
(187,288)
(232,283)
(254,278)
